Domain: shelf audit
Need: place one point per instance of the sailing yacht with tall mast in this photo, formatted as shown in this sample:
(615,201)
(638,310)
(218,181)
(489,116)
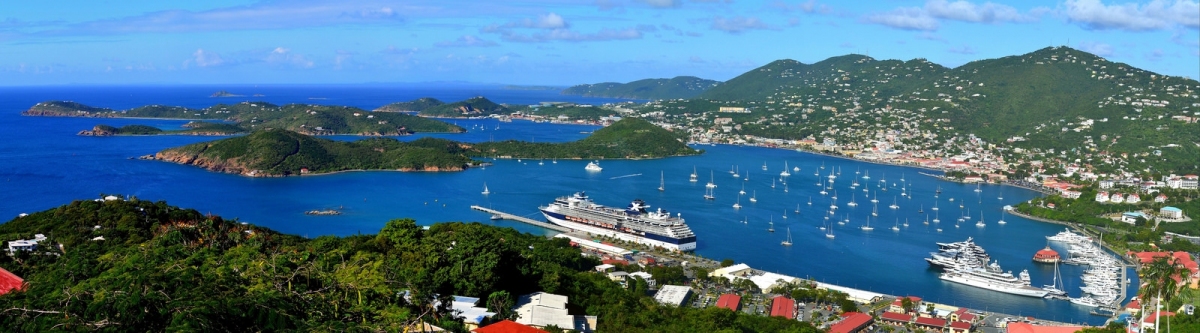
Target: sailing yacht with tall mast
(788,242)
(783,173)
(867,227)
(754,196)
(709,192)
(693,176)
(662,181)
(852,203)
(485,189)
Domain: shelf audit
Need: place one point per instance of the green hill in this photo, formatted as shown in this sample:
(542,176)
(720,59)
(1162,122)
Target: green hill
(627,138)
(142,266)
(677,87)
(277,152)
(193,128)
(304,118)
(473,107)
(415,105)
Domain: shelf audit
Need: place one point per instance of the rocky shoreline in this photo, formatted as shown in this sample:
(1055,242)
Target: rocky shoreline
(234,167)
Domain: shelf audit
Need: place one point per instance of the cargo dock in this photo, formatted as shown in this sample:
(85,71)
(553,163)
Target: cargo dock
(518,218)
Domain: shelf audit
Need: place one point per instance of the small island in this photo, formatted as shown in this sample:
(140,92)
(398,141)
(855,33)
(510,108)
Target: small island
(192,128)
(279,152)
(223,93)
(416,105)
(249,116)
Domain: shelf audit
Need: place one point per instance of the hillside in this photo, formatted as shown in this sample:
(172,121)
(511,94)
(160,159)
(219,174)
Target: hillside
(193,128)
(304,118)
(677,87)
(474,107)
(415,105)
(627,138)
(141,266)
(278,152)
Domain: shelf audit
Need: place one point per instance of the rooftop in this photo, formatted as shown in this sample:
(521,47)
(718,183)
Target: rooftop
(783,307)
(10,281)
(851,321)
(507,326)
(673,295)
(729,301)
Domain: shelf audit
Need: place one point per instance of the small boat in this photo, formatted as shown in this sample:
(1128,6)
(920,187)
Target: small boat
(867,175)
(980,223)
(905,222)
(894,205)
(787,242)
(896,227)
(662,181)
(876,199)
(852,203)
(709,193)
(693,177)
(485,189)
(738,204)
(753,197)
(554,161)
(593,166)
(921,210)
(867,227)
(810,200)
(771,226)
(783,173)
(743,191)
(797,209)
(796,169)
(829,234)
(875,210)
(977,189)
(497,217)
(772,182)
(785,189)
(785,214)
(764,166)
(822,165)
(1001,221)
(736,173)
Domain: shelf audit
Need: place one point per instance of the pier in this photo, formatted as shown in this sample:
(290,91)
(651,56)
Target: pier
(518,218)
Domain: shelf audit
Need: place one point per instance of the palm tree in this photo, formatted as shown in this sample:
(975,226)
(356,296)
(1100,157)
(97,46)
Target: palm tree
(1159,278)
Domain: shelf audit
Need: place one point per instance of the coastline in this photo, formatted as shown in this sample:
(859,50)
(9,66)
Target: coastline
(1076,227)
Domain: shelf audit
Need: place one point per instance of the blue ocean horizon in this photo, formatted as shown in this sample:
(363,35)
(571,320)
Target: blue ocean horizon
(43,164)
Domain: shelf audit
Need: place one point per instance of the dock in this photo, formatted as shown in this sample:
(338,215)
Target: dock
(518,218)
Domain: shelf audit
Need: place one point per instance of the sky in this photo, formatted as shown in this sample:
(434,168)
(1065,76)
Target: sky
(554,42)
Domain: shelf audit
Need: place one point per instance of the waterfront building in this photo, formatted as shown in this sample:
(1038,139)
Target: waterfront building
(673,295)
(1180,258)
(781,306)
(730,301)
(930,323)
(851,322)
(1023,327)
(1171,213)
(898,305)
(1047,255)
(895,318)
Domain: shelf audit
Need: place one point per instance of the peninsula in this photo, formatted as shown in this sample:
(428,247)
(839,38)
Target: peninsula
(302,118)
(278,152)
(192,128)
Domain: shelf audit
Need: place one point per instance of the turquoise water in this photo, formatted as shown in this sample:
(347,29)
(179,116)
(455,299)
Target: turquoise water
(43,164)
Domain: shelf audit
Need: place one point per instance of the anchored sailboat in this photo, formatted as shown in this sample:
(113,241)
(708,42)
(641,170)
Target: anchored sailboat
(788,242)
(662,181)
(693,177)
(485,189)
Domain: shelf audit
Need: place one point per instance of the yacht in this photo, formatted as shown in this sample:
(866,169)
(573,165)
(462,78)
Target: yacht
(852,203)
(992,277)
(485,189)
(593,166)
(787,242)
(693,176)
(783,173)
(894,205)
(753,197)
(867,227)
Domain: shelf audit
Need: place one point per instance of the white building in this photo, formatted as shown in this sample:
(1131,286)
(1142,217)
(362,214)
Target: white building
(25,244)
(1116,198)
(645,276)
(544,309)
(673,295)
(1102,197)
(1171,213)
(1133,198)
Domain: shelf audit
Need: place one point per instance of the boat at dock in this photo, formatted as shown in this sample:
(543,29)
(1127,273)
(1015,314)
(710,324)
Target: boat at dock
(636,223)
(993,278)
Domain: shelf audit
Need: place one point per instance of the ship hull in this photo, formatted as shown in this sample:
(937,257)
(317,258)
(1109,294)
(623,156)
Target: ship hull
(666,242)
(1030,292)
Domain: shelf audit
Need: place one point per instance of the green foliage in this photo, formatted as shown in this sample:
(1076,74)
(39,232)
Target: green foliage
(415,105)
(575,112)
(164,268)
(627,138)
(473,107)
(282,152)
(677,87)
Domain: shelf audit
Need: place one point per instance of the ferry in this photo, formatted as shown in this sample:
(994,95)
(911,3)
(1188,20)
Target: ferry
(635,223)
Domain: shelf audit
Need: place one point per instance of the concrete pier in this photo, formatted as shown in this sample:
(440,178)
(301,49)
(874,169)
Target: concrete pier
(522,219)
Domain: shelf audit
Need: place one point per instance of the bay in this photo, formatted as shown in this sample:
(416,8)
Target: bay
(43,164)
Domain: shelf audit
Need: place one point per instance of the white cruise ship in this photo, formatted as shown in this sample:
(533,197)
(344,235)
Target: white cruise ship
(992,278)
(634,223)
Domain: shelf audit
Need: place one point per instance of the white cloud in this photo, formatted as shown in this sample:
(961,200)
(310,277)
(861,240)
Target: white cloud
(737,25)
(1100,49)
(467,41)
(548,21)
(204,58)
(662,3)
(1154,15)
(961,50)
(284,56)
(906,19)
(568,35)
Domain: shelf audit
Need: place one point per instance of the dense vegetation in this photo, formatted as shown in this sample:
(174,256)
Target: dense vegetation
(303,118)
(1138,236)
(282,152)
(677,87)
(571,111)
(627,138)
(415,105)
(164,268)
(200,127)
(473,107)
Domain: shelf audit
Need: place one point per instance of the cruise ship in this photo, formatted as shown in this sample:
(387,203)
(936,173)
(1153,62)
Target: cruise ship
(992,278)
(635,223)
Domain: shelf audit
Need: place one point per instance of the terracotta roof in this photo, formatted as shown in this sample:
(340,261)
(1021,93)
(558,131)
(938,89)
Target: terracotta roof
(1046,253)
(1134,305)
(851,321)
(935,322)
(1150,316)
(508,326)
(10,281)
(729,301)
(783,307)
(960,324)
(1020,327)
(966,317)
(896,316)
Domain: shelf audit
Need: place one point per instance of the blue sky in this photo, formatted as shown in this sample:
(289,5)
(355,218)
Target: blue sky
(555,42)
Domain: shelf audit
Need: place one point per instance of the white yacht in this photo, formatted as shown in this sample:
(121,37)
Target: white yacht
(593,166)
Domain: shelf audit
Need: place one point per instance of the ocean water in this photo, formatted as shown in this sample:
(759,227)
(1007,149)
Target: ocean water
(43,164)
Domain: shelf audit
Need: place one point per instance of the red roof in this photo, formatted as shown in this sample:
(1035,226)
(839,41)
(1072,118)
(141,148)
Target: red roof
(1045,253)
(1181,258)
(614,261)
(729,301)
(1020,327)
(960,325)
(10,281)
(1150,317)
(851,322)
(783,307)
(1134,304)
(935,322)
(896,316)
(966,317)
(507,326)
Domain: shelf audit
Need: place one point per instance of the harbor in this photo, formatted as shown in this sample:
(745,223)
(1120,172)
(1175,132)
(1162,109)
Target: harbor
(498,215)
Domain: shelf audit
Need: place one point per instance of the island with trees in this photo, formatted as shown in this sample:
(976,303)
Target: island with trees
(125,264)
(302,118)
(192,128)
(416,105)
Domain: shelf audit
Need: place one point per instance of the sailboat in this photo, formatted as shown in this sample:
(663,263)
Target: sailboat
(977,189)
(693,177)
(876,199)
(540,162)
(1055,289)
(771,225)
(485,189)
(796,169)
(709,193)
(921,210)
(875,210)
(753,197)
(829,234)
(935,217)
(1001,221)
(896,227)
(554,161)
(935,207)
(764,165)
(894,205)
(867,227)
(747,177)
(906,222)
(738,204)
(785,189)
(822,165)
(787,242)
(736,173)
(867,175)
(834,197)
(797,208)
(662,181)
(810,200)
(785,214)
(852,203)
(783,173)
(743,191)
(980,223)
(772,182)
